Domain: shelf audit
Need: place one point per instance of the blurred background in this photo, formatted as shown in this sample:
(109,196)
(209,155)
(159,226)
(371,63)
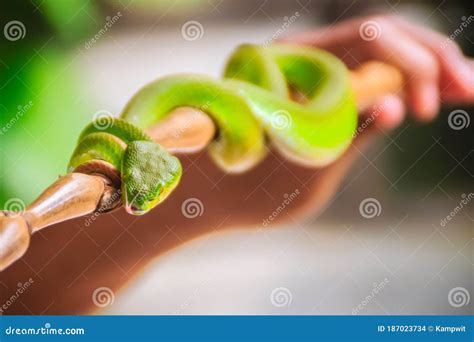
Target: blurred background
(71,59)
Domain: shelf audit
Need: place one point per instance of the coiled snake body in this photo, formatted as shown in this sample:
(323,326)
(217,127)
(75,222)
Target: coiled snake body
(252,103)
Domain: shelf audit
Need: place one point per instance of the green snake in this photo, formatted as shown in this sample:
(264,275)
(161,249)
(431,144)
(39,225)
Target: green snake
(250,105)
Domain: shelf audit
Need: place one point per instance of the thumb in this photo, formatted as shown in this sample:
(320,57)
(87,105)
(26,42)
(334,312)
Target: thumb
(386,113)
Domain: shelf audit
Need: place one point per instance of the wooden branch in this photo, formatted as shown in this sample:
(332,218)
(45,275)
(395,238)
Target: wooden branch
(185,130)
(373,80)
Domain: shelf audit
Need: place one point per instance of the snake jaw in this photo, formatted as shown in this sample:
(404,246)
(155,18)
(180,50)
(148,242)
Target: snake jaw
(132,210)
(135,203)
(129,207)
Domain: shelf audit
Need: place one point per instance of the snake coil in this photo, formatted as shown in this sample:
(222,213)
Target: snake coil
(250,104)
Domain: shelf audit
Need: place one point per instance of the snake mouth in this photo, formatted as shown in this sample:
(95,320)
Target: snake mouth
(131,209)
(131,205)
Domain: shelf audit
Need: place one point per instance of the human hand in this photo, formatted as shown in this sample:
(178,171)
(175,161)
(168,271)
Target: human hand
(434,66)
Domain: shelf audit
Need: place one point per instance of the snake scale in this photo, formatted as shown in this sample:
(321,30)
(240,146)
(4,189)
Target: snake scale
(250,105)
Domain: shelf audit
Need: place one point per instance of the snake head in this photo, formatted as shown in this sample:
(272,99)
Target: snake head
(149,174)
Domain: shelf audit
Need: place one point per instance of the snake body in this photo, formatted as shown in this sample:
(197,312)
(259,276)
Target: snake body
(250,104)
